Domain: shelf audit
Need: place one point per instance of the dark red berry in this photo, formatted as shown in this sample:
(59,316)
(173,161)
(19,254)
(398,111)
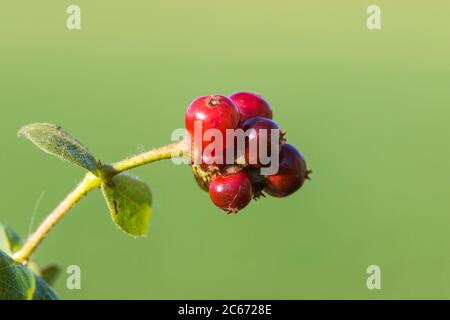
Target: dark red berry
(213,112)
(291,174)
(251,105)
(231,192)
(261,132)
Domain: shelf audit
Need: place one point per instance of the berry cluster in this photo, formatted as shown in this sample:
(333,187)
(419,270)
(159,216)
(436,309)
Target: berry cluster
(233,185)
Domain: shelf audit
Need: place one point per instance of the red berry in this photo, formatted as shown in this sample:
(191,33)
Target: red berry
(291,174)
(213,112)
(251,105)
(261,133)
(231,192)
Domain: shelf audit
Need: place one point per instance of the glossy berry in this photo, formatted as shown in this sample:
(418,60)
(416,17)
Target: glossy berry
(213,112)
(251,105)
(260,134)
(291,174)
(231,192)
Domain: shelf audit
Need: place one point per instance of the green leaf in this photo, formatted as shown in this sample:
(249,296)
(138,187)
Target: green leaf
(53,140)
(50,272)
(15,242)
(4,241)
(129,200)
(34,267)
(17,282)
(10,241)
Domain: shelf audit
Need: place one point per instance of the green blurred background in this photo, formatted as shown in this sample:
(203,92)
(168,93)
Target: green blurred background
(369,109)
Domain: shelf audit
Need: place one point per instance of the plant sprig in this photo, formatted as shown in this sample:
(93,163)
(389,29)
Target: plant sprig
(129,198)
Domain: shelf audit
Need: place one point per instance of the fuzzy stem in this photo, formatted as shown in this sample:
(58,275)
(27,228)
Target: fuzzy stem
(89,183)
(167,152)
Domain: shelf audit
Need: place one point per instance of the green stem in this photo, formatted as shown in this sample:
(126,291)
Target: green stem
(89,183)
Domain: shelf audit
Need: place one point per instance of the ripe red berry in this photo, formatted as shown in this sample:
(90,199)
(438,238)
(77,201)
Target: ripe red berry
(231,192)
(291,174)
(213,112)
(260,134)
(251,105)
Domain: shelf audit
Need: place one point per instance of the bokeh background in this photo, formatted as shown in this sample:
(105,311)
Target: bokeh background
(369,109)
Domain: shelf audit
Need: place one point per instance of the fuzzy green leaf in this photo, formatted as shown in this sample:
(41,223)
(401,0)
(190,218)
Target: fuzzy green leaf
(17,282)
(53,140)
(15,241)
(4,241)
(129,200)
(10,241)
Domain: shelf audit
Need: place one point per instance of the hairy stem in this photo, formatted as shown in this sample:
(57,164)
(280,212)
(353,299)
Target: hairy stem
(167,152)
(89,183)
